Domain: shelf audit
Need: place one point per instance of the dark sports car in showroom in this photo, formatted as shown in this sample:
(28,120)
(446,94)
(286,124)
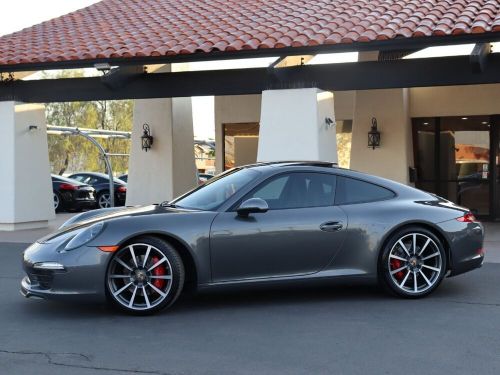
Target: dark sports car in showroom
(269,222)
(71,195)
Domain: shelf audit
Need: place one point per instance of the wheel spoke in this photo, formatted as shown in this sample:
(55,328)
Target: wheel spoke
(146,298)
(131,303)
(123,264)
(121,290)
(157,263)
(131,248)
(415,282)
(146,257)
(398,270)
(404,247)
(404,280)
(425,278)
(157,290)
(163,277)
(396,257)
(425,246)
(431,268)
(414,243)
(119,276)
(431,256)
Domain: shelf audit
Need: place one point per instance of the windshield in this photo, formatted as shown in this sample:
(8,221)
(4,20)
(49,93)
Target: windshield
(217,190)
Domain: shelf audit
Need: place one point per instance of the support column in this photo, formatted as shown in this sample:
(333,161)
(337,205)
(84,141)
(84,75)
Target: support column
(294,127)
(168,169)
(390,108)
(26,197)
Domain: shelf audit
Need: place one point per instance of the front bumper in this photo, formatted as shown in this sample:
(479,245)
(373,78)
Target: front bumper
(83,277)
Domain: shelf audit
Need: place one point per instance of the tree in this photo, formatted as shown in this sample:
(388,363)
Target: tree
(73,153)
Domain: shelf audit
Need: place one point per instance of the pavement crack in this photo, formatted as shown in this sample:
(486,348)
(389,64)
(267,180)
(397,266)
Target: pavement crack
(52,361)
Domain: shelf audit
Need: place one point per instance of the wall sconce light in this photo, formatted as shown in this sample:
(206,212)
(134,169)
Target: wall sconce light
(329,123)
(32,128)
(374,135)
(146,138)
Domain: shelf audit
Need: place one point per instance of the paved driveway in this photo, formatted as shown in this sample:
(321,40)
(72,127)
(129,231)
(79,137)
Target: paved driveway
(327,329)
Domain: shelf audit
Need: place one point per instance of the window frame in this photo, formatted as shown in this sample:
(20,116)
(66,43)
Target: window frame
(395,195)
(235,206)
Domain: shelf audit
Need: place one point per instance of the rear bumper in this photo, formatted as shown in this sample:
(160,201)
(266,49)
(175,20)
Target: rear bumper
(466,245)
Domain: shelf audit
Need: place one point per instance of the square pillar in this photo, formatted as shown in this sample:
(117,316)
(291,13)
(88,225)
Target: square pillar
(391,109)
(26,197)
(168,169)
(294,126)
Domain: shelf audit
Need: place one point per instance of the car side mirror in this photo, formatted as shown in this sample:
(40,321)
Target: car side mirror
(252,206)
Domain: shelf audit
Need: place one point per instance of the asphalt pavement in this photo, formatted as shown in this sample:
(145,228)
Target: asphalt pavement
(322,329)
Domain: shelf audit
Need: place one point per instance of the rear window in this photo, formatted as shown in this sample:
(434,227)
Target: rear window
(350,190)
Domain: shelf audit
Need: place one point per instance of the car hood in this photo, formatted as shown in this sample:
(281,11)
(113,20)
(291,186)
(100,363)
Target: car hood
(86,219)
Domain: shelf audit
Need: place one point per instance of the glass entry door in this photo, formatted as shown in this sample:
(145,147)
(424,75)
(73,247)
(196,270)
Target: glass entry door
(453,160)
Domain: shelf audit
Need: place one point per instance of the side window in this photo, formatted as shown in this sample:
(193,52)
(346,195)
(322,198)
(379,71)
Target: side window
(78,177)
(297,190)
(350,190)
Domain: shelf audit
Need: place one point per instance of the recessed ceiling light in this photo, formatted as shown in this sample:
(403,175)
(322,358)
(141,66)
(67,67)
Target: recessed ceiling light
(465,118)
(484,122)
(426,123)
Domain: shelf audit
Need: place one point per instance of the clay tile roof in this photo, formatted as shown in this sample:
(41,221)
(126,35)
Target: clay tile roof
(119,29)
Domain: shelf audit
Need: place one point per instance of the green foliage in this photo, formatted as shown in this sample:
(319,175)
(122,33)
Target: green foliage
(69,153)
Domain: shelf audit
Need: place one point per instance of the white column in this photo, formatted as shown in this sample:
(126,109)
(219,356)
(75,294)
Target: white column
(391,109)
(293,126)
(26,199)
(168,169)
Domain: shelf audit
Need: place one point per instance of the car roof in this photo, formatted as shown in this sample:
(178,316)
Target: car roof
(66,179)
(99,174)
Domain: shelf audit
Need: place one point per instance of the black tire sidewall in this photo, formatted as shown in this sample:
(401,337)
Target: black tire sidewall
(383,268)
(178,274)
(59,208)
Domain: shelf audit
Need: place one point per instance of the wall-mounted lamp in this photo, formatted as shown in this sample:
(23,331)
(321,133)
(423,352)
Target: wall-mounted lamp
(146,138)
(374,135)
(329,123)
(32,128)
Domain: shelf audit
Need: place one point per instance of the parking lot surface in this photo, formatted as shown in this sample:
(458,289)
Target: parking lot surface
(318,329)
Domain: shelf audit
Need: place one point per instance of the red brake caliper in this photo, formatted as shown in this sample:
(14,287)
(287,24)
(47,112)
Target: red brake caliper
(158,271)
(395,264)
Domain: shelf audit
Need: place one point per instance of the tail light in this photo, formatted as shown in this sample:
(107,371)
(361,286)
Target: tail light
(467,218)
(68,187)
(122,189)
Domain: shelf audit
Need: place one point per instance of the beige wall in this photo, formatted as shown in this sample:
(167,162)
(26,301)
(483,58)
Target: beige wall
(455,100)
(390,108)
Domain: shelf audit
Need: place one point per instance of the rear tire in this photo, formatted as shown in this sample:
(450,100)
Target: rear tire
(148,284)
(104,200)
(58,202)
(412,263)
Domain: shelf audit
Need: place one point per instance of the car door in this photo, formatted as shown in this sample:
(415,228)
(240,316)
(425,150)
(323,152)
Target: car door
(299,234)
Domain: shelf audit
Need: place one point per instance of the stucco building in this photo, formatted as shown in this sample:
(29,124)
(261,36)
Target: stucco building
(438,118)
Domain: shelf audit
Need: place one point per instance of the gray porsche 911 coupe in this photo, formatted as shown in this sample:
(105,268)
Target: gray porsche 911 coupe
(267,222)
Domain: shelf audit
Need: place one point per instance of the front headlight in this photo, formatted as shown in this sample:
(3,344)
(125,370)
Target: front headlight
(85,236)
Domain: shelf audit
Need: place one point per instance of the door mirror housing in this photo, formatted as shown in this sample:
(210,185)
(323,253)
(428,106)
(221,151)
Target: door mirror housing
(252,206)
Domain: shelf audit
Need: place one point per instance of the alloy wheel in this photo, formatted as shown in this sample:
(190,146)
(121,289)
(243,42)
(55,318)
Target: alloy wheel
(104,200)
(140,277)
(56,201)
(415,263)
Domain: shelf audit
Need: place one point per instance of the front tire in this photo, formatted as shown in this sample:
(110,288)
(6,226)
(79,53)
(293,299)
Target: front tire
(412,263)
(145,276)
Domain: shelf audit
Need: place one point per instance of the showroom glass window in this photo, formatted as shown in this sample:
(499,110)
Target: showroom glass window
(351,191)
(297,190)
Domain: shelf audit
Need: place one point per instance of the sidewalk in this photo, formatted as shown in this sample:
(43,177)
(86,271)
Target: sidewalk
(491,241)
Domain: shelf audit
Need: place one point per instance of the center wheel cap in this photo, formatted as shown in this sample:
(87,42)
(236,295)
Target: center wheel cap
(140,276)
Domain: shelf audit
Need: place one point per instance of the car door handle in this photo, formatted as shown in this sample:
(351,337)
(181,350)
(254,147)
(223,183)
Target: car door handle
(331,226)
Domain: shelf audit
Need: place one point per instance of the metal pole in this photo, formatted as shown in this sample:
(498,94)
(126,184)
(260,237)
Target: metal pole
(108,165)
